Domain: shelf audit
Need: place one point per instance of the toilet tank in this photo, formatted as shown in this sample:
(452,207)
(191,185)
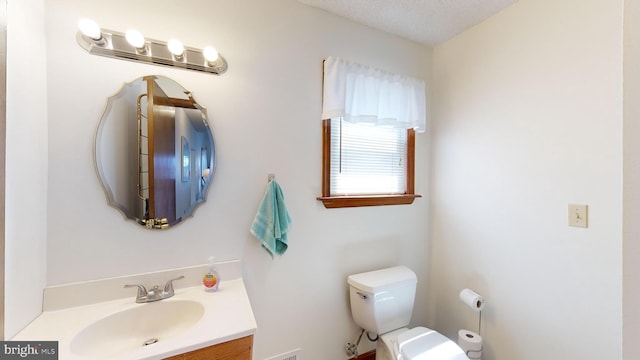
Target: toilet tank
(382,300)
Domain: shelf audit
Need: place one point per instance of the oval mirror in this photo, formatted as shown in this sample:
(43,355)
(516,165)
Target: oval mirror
(154,152)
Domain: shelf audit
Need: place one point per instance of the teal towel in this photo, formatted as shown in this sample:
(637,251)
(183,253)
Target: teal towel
(272,220)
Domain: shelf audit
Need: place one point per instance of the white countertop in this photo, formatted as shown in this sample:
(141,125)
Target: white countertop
(227,316)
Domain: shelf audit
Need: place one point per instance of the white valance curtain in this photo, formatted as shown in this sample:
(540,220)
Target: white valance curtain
(360,93)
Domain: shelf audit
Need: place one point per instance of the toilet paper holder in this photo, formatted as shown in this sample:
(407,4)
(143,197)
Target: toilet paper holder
(475,301)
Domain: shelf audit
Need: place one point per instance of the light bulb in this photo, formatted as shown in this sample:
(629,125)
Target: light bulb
(210,54)
(90,29)
(175,47)
(135,39)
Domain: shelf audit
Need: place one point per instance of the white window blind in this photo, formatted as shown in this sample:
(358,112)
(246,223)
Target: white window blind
(367,159)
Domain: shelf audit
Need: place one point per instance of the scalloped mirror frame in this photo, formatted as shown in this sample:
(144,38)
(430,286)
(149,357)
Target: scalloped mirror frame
(154,152)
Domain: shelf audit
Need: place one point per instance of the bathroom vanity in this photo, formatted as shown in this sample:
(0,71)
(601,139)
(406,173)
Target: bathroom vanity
(89,323)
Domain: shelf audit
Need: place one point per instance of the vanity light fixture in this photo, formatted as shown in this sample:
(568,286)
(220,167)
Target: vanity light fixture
(133,46)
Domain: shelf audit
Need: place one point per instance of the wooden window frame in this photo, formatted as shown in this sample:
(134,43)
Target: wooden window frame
(331,202)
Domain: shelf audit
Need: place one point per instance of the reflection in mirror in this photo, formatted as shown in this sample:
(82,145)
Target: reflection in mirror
(154,152)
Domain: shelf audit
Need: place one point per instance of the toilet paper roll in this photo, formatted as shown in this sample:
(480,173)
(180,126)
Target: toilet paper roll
(469,341)
(472,299)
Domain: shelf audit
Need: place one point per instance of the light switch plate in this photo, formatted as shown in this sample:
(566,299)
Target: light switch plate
(578,215)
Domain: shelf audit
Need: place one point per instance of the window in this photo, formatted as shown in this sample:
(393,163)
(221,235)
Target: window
(366,165)
(370,117)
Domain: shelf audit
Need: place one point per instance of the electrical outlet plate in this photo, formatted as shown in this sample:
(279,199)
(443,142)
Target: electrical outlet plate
(578,216)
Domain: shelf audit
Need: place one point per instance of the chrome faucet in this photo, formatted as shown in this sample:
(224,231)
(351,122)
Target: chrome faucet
(155,293)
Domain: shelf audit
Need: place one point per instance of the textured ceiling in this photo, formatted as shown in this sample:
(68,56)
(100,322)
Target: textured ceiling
(429,22)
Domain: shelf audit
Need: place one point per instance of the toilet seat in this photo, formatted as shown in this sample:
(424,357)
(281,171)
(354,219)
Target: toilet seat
(422,343)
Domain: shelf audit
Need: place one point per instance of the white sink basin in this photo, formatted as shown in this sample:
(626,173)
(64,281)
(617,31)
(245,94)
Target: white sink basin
(144,325)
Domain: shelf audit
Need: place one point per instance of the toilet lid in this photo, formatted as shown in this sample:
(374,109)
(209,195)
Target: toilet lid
(421,343)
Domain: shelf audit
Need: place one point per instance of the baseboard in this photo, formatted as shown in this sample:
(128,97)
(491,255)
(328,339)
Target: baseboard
(369,355)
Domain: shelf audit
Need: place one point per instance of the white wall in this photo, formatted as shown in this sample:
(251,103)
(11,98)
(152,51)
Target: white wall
(528,118)
(26,167)
(265,115)
(631,279)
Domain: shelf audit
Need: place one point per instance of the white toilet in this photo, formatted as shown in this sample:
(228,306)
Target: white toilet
(382,303)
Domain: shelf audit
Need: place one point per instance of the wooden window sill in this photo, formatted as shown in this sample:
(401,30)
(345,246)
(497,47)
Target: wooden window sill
(331,202)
